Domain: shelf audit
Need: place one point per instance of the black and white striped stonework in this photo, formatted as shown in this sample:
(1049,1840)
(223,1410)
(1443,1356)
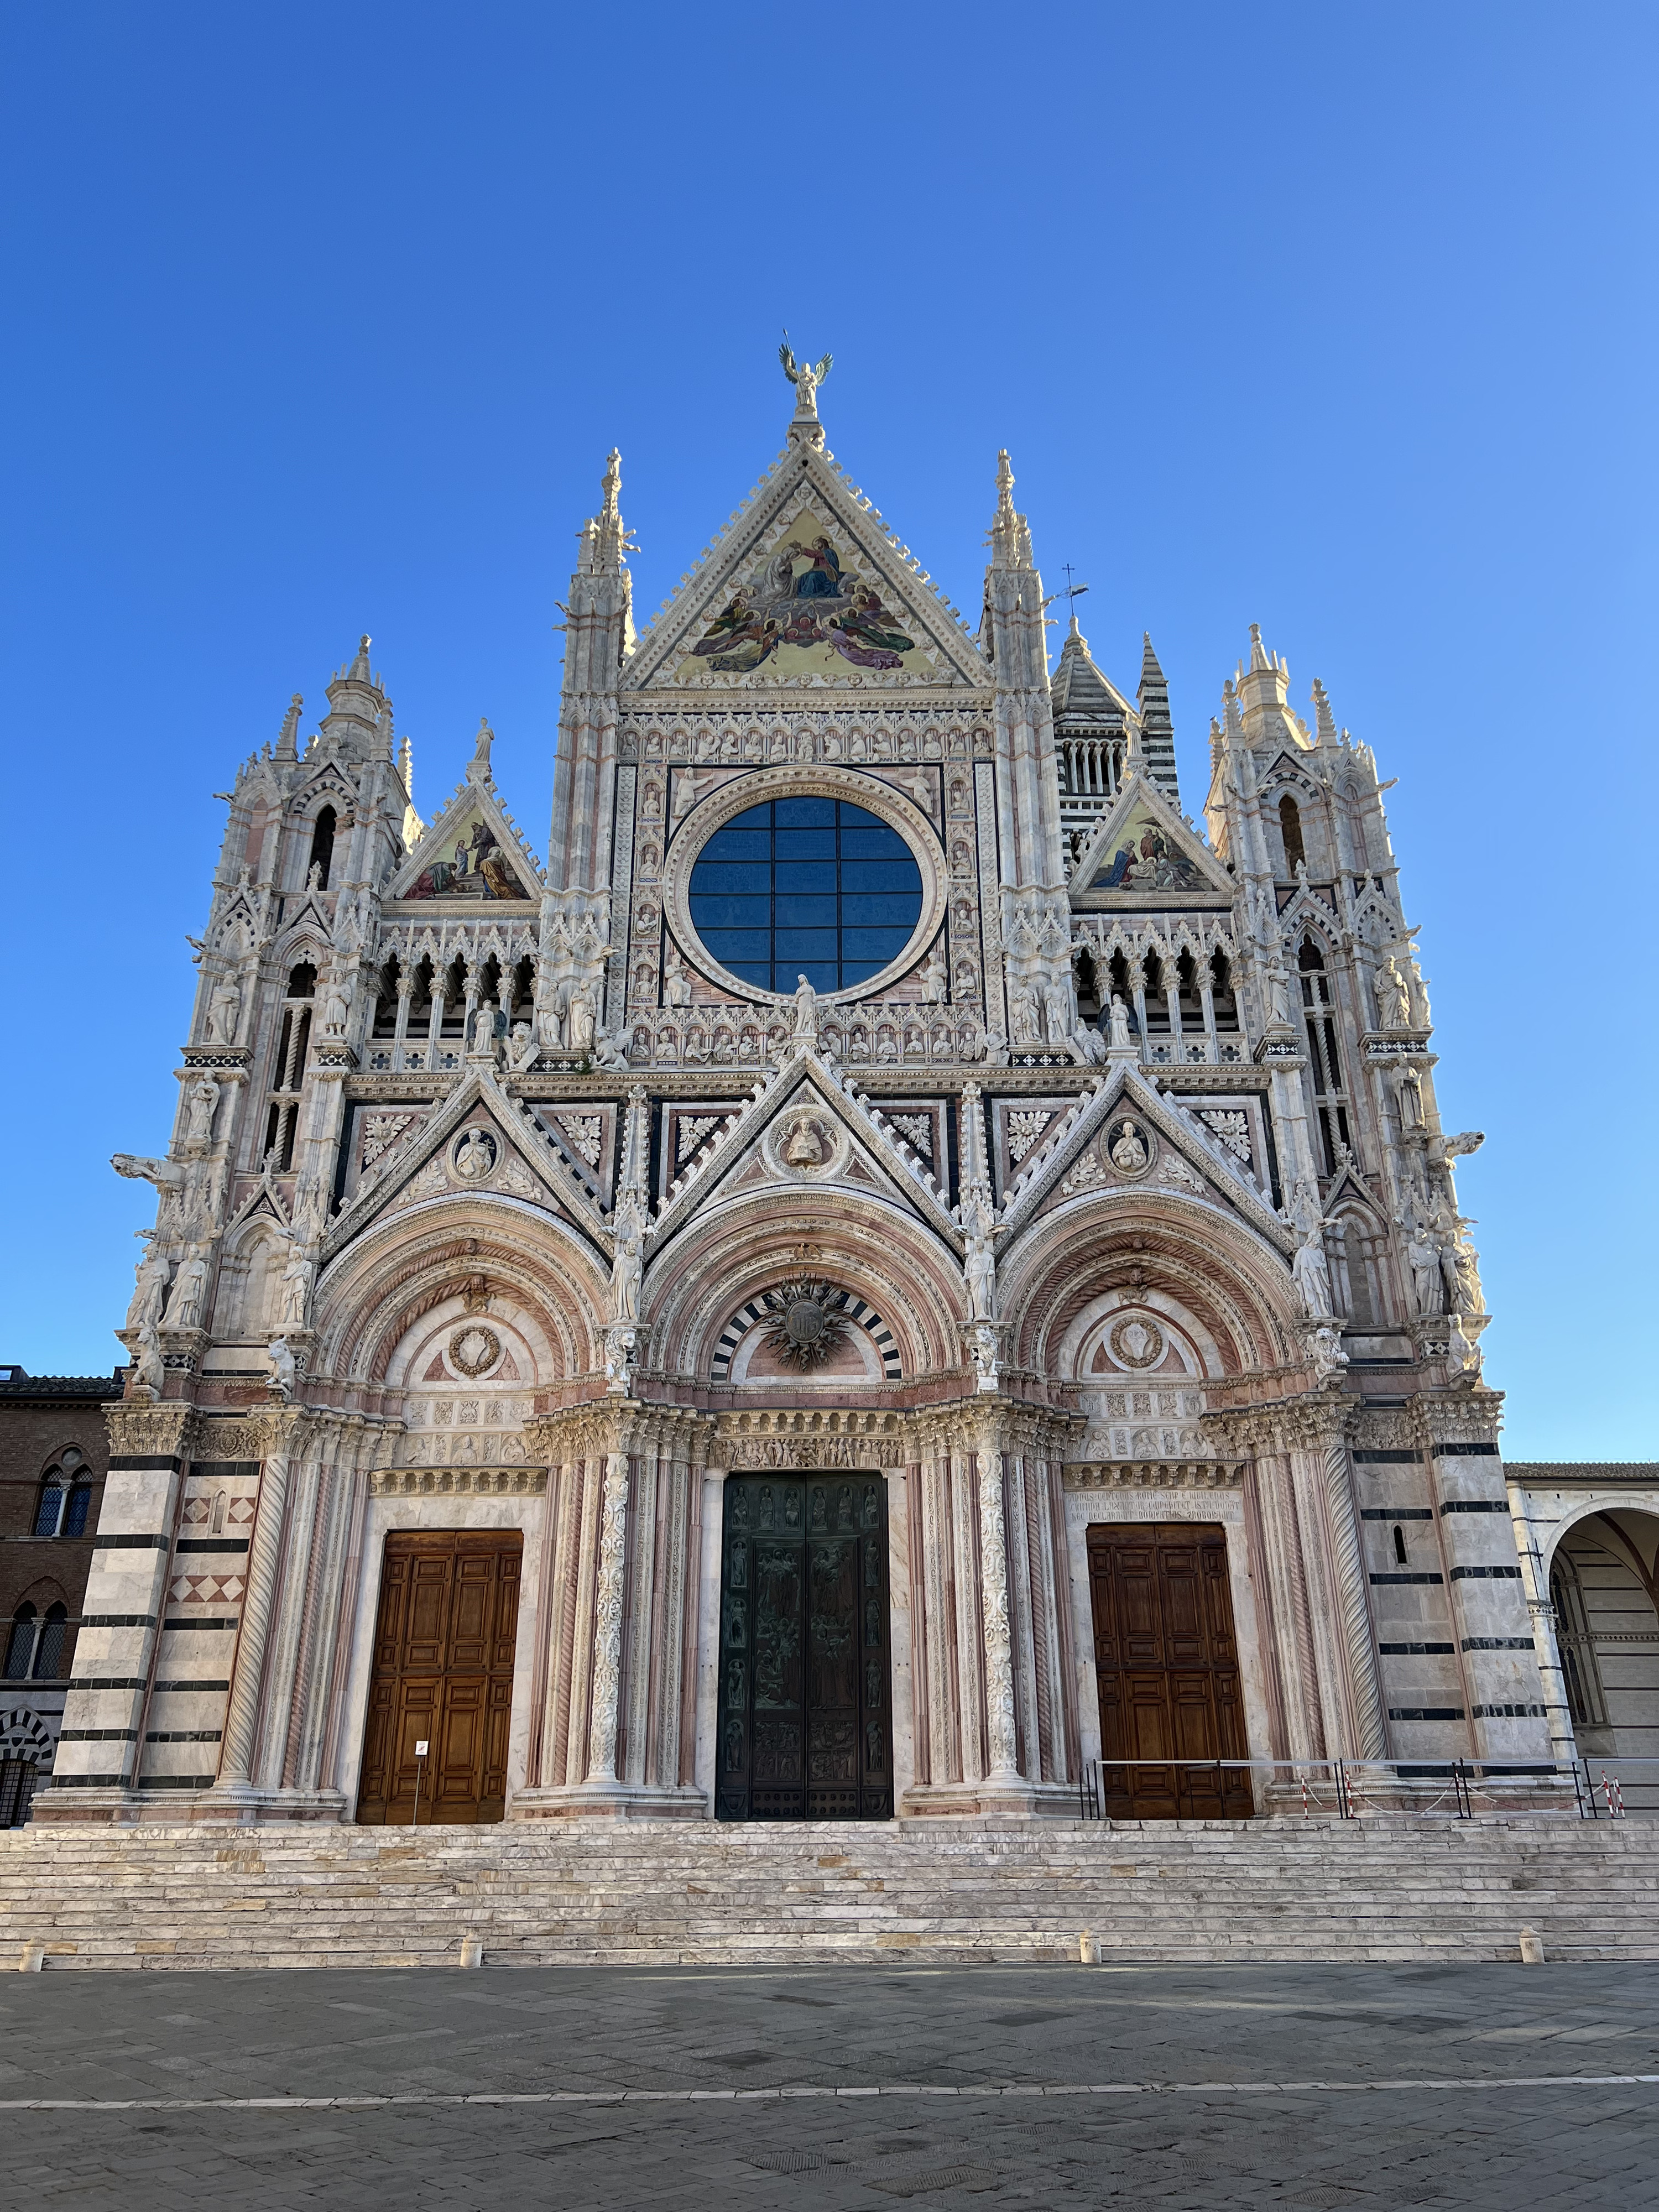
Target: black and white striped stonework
(864,1316)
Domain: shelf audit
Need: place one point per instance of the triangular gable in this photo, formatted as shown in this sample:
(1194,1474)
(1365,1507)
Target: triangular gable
(853,610)
(889,1166)
(533,1164)
(266,1199)
(1143,846)
(1208,1171)
(473,853)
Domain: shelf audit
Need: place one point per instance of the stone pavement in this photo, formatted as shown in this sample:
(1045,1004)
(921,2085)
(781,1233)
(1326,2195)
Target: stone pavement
(1492,2088)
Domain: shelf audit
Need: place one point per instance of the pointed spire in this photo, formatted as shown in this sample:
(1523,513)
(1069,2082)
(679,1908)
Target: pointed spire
(359,670)
(1324,720)
(406,768)
(606,540)
(1231,717)
(478,768)
(1004,529)
(1258,654)
(287,742)
(1157,729)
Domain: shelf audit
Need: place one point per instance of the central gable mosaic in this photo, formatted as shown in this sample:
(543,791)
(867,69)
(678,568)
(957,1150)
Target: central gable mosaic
(806,610)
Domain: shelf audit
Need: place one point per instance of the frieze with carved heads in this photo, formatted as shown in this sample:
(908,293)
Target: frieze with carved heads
(1153,1474)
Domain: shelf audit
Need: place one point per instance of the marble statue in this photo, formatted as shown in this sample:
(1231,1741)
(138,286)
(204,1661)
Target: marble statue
(224,1012)
(806,380)
(188,1291)
(282,1367)
(627,1266)
(295,1289)
(204,1097)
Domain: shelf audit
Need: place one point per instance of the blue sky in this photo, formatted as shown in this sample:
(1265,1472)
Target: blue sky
(1340,320)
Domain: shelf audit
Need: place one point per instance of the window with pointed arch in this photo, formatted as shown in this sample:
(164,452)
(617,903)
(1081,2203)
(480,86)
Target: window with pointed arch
(1290,829)
(1324,1060)
(288,1065)
(322,849)
(65,1497)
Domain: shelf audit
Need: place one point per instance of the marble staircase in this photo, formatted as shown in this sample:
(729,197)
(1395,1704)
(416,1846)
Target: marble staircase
(657,1893)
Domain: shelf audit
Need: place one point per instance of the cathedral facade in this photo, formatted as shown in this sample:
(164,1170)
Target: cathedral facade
(896,1266)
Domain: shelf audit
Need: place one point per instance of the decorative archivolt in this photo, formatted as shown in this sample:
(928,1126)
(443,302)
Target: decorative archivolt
(369,1299)
(1235,1288)
(722,1263)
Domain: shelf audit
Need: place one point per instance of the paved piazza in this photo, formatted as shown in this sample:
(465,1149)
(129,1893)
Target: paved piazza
(1317,2086)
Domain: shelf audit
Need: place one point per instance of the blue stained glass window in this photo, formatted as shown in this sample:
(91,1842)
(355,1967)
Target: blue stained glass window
(810,887)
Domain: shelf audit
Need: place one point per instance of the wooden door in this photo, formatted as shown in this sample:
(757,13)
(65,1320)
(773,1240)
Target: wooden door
(1168,1667)
(805,1724)
(443,1674)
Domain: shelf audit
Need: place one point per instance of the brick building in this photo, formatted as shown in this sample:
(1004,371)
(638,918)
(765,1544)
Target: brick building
(54,1452)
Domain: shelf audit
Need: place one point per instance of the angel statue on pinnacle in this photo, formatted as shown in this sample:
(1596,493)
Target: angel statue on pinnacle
(806,380)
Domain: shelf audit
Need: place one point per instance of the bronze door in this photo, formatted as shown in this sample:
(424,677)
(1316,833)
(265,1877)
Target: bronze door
(805,1724)
(1167,1661)
(443,1674)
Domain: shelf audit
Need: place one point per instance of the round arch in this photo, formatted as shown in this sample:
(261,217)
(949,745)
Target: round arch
(893,1263)
(371,1296)
(1236,1290)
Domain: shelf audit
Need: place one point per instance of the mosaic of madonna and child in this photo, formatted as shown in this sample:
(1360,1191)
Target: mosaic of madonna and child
(803,611)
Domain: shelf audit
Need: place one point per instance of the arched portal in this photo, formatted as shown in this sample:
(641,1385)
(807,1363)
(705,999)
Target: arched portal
(1604,1587)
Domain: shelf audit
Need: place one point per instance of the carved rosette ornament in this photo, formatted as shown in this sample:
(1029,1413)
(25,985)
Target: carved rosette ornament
(805,1325)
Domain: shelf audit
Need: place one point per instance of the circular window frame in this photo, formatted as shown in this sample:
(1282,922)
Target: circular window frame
(753,789)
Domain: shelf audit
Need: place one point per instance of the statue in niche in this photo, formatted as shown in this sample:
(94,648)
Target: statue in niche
(296,1291)
(1312,1272)
(806,1015)
(335,1009)
(934,978)
(148,1291)
(189,1291)
(1423,1258)
(675,983)
(1117,1015)
(1393,998)
(583,1025)
(1057,1012)
(204,1097)
(980,1266)
(224,1012)
(627,1266)
(484,1027)
(1023,1016)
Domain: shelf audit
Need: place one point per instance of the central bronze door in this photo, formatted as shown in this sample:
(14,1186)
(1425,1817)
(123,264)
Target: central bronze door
(805,1725)
(1168,1667)
(443,1676)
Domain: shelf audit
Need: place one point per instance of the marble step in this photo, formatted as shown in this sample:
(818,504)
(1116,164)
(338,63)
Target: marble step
(650,1894)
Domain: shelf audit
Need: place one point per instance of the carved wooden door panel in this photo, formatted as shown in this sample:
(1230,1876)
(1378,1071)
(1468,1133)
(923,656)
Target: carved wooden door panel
(1167,1663)
(805,1726)
(443,1674)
